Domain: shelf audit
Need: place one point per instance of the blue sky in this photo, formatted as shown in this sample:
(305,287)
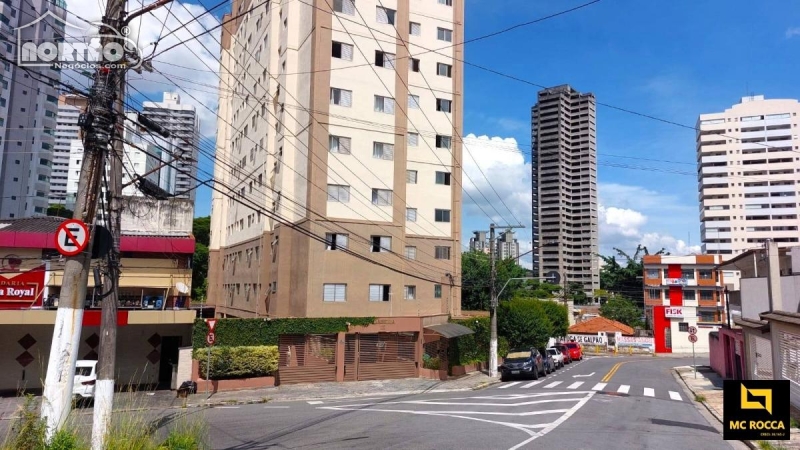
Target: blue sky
(673,60)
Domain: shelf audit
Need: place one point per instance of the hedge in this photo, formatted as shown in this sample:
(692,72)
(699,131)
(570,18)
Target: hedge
(249,332)
(474,348)
(238,362)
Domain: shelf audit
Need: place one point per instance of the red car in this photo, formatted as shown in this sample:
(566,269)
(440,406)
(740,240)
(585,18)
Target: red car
(564,351)
(575,352)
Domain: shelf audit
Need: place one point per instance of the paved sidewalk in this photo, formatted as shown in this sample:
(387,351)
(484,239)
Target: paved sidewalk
(9,406)
(707,389)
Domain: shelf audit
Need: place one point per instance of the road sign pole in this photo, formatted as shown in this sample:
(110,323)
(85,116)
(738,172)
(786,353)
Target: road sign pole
(208,373)
(694,363)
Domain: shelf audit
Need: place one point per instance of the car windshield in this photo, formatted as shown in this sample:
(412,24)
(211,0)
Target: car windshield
(84,371)
(518,354)
(552,351)
(572,345)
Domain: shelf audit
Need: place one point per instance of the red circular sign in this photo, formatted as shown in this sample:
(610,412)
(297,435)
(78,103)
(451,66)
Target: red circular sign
(211,338)
(72,237)
(692,338)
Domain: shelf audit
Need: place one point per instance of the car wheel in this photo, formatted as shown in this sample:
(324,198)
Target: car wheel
(503,378)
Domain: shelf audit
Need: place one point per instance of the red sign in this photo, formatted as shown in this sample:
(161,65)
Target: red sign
(692,338)
(211,338)
(692,330)
(212,323)
(22,290)
(72,237)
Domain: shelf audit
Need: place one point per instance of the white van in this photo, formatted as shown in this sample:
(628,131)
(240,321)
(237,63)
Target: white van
(85,378)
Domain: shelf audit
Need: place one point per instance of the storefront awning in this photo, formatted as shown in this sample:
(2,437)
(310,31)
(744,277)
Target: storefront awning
(450,330)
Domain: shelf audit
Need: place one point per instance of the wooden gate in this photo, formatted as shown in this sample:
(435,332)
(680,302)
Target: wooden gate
(306,359)
(380,356)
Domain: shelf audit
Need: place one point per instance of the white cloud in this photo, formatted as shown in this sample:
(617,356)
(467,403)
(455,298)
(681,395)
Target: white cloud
(792,32)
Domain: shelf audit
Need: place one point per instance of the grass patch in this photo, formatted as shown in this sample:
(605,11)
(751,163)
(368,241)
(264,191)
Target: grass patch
(794,423)
(766,445)
(699,398)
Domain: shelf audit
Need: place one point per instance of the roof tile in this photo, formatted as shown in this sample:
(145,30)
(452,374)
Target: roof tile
(597,324)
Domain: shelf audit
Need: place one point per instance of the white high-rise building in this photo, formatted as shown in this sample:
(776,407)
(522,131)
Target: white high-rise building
(28,109)
(68,141)
(184,126)
(748,175)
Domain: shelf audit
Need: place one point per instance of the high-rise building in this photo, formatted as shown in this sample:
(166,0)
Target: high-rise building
(28,109)
(479,242)
(506,245)
(747,173)
(564,166)
(324,129)
(183,124)
(67,137)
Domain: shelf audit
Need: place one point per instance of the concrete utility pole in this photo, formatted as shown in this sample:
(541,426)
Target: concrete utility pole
(494,299)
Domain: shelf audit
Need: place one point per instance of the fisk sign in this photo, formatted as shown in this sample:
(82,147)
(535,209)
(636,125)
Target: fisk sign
(673,312)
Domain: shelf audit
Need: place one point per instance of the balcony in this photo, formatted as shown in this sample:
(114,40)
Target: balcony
(713,159)
(714,169)
(718,246)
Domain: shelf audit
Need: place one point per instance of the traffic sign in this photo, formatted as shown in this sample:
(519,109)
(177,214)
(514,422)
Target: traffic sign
(72,237)
(212,323)
(211,338)
(692,330)
(692,338)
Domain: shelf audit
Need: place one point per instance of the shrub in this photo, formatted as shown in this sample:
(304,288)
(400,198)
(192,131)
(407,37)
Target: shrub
(238,362)
(474,348)
(254,332)
(524,322)
(429,362)
(558,315)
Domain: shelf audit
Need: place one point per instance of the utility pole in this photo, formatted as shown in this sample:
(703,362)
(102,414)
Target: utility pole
(494,299)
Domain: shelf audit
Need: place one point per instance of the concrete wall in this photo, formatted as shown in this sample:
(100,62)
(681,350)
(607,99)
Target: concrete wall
(755,300)
(142,215)
(716,349)
(135,350)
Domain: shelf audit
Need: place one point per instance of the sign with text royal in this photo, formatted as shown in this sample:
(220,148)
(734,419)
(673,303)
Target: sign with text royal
(755,410)
(22,290)
(676,281)
(674,311)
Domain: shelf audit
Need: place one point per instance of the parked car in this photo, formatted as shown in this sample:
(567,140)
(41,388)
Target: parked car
(522,363)
(564,352)
(558,357)
(575,351)
(549,363)
(85,379)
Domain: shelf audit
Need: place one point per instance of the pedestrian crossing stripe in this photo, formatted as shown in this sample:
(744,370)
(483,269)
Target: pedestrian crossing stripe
(599,387)
(624,389)
(531,384)
(649,392)
(553,384)
(576,385)
(675,396)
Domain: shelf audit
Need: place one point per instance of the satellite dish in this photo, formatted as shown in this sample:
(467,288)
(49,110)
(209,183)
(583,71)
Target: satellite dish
(182,288)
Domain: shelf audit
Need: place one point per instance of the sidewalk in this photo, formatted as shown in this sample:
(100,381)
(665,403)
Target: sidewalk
(287,393)
(707,389)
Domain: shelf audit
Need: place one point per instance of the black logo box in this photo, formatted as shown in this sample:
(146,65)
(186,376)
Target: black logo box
(758,424)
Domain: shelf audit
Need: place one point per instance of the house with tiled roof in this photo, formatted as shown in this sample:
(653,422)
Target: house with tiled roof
(601,324)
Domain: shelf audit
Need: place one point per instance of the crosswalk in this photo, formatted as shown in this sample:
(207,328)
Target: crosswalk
(598,387)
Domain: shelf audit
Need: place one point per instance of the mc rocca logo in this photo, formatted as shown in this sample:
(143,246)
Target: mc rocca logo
(756,410)
(74,47)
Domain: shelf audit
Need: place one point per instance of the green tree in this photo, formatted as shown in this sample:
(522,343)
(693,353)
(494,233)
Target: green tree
(537,289)
(558,316)
(576,293)
(475,277)
(200,229)
(622,310)
(59,211)
(626,280)
(524,322)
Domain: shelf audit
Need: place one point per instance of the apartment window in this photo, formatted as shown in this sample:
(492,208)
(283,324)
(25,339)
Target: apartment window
(683,326)
(414,29)
(654,294)
(652,273)
(437,291)
(334,292)
(338,193)
(411,176)
(411,252)
(413,139)
(706,295)
(688,274)
(383,59)
(382,197)
(703,316)
(336,241)
(444,105)
(381,244)
(413,101)
(382,150)
(446,2)
(379,292)
(409,292)
(442,252)
(442,215)
(689,295)
(705,274)
(411,214)
(443,141)
(345,7)
(445,70)
(443,178)
(339,144)
(385,15)
(342,51)
(414,65)
(341,97)
(384,104)
(443,34)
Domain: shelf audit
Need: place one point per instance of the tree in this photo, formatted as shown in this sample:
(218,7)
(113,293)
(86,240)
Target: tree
(475,277)
(524,322)
(558,315)
(576,293)
(59,211)
(536,289)
(200,229)
(626,280)
(622,310)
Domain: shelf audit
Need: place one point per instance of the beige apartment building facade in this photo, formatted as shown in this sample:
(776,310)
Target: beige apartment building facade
(747,175)
(338,161)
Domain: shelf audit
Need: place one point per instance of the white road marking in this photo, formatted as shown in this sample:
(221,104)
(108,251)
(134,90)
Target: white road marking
(314,402)
(553,425)
(675,396)
(553,384)
(649,392)
(624,389)
(599,386)
(531,384)
(508,385)
(575,385)
(583,376)
(276,407)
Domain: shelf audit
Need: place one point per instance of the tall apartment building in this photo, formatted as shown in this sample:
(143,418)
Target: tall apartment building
(479,242)
(747,175)
(28,109)
(183,124)
(564,186)
(68,140)
(506,245)
(342,148)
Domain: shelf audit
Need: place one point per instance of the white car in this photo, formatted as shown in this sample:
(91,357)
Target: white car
(558,357)
(85,379)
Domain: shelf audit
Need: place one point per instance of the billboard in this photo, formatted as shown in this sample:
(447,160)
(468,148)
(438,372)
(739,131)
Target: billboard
(22,290)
